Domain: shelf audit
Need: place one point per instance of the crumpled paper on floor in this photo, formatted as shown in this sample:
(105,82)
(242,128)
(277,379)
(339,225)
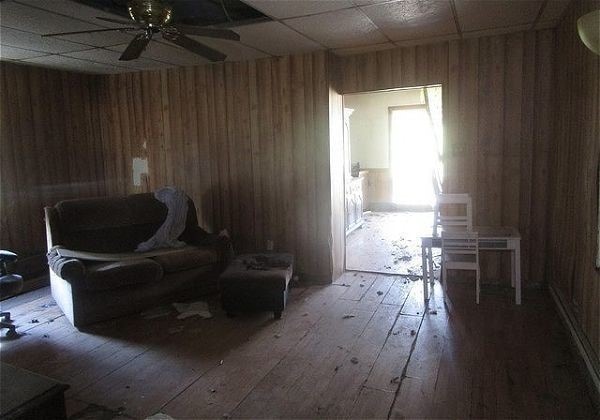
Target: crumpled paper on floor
(189,309)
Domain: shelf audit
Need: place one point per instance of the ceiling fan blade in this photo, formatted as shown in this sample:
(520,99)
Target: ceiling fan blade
(208,32)
(119,21)
(194,46)
(90,31)
(136,46)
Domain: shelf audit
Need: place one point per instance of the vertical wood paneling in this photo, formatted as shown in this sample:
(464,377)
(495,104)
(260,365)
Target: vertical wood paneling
(50,149)
(572,200)
(497,104)
(246,140)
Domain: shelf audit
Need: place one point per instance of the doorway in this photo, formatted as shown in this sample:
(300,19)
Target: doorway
(393,145)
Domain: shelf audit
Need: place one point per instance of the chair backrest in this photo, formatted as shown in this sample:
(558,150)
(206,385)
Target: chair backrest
(460,222)
(463,243)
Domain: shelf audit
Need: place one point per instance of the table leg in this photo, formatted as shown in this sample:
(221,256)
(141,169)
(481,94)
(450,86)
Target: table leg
(425,277)
(518,272)
(513,269)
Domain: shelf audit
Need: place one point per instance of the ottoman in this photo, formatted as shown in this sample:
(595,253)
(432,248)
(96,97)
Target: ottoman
(256,282)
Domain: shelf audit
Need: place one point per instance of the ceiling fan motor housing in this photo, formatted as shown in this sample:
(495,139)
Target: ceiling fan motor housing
(152,13)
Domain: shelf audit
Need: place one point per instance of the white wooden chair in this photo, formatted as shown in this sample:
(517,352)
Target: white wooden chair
(460,251)
(461,222)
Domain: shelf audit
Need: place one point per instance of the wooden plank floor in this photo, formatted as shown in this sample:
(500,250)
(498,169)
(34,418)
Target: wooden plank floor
(388,242)
(364,347)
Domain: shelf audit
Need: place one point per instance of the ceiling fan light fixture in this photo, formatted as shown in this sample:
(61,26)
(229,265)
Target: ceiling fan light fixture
(588,27)
(153,13)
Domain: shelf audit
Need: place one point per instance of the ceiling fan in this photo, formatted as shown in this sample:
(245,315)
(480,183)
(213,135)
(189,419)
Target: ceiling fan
(154,16)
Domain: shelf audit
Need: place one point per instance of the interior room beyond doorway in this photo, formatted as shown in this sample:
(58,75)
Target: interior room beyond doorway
(393,147)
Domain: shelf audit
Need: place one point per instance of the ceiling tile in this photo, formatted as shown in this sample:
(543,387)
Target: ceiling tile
(235,51)
(35,42)
(425,41)
(111,57)
(172,54)
(100,39)
(554,10)
(275,38)
(283,9)
(412,19)
(343,28)
(75,9)
(13,53)
(368,2)
(496,31)
(19,16)
(364,49)
(72,64)
(475,15)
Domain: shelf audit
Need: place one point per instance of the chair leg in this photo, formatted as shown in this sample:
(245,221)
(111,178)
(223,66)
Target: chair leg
(477,286)
(444,281)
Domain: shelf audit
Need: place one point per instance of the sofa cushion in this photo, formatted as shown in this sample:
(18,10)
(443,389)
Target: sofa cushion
(187,258)
(110,275)
(112,224)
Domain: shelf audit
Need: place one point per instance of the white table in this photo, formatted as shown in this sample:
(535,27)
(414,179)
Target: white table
(490,239)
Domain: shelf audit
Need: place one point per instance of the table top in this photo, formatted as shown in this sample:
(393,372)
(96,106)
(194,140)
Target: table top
(22,388)
(492,232)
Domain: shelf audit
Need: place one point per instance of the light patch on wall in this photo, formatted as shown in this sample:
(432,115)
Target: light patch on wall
(139,168)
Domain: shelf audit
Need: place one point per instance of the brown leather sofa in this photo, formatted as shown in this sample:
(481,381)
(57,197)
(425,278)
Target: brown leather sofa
(91,291)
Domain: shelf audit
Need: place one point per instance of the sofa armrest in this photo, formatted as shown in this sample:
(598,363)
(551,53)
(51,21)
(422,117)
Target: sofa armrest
(222,243)
(69,269)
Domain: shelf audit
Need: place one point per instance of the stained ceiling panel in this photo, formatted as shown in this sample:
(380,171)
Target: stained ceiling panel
(283,9)
(477,15)
(413,19)
(275,38)
(339,29)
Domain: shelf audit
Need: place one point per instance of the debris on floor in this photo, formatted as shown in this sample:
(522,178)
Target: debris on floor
(354,360)
(347,316)
(412,332)
(160,416)
(221,362)
(379,292)
(34,321)
(176,330)
(277,335)
(157,312)
(189,309)
(434,312)
(395,380)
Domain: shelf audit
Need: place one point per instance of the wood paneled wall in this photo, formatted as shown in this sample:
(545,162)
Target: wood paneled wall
(498,126)
(49,149)
(248,141)
(573,204)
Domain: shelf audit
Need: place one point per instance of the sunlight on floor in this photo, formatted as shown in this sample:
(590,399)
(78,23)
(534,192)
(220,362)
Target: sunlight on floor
(388,242)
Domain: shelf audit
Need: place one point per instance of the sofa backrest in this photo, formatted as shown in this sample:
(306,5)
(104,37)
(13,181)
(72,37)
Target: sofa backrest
(111,224)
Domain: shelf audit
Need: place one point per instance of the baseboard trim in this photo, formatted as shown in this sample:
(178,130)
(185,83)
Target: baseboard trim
(591,365)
